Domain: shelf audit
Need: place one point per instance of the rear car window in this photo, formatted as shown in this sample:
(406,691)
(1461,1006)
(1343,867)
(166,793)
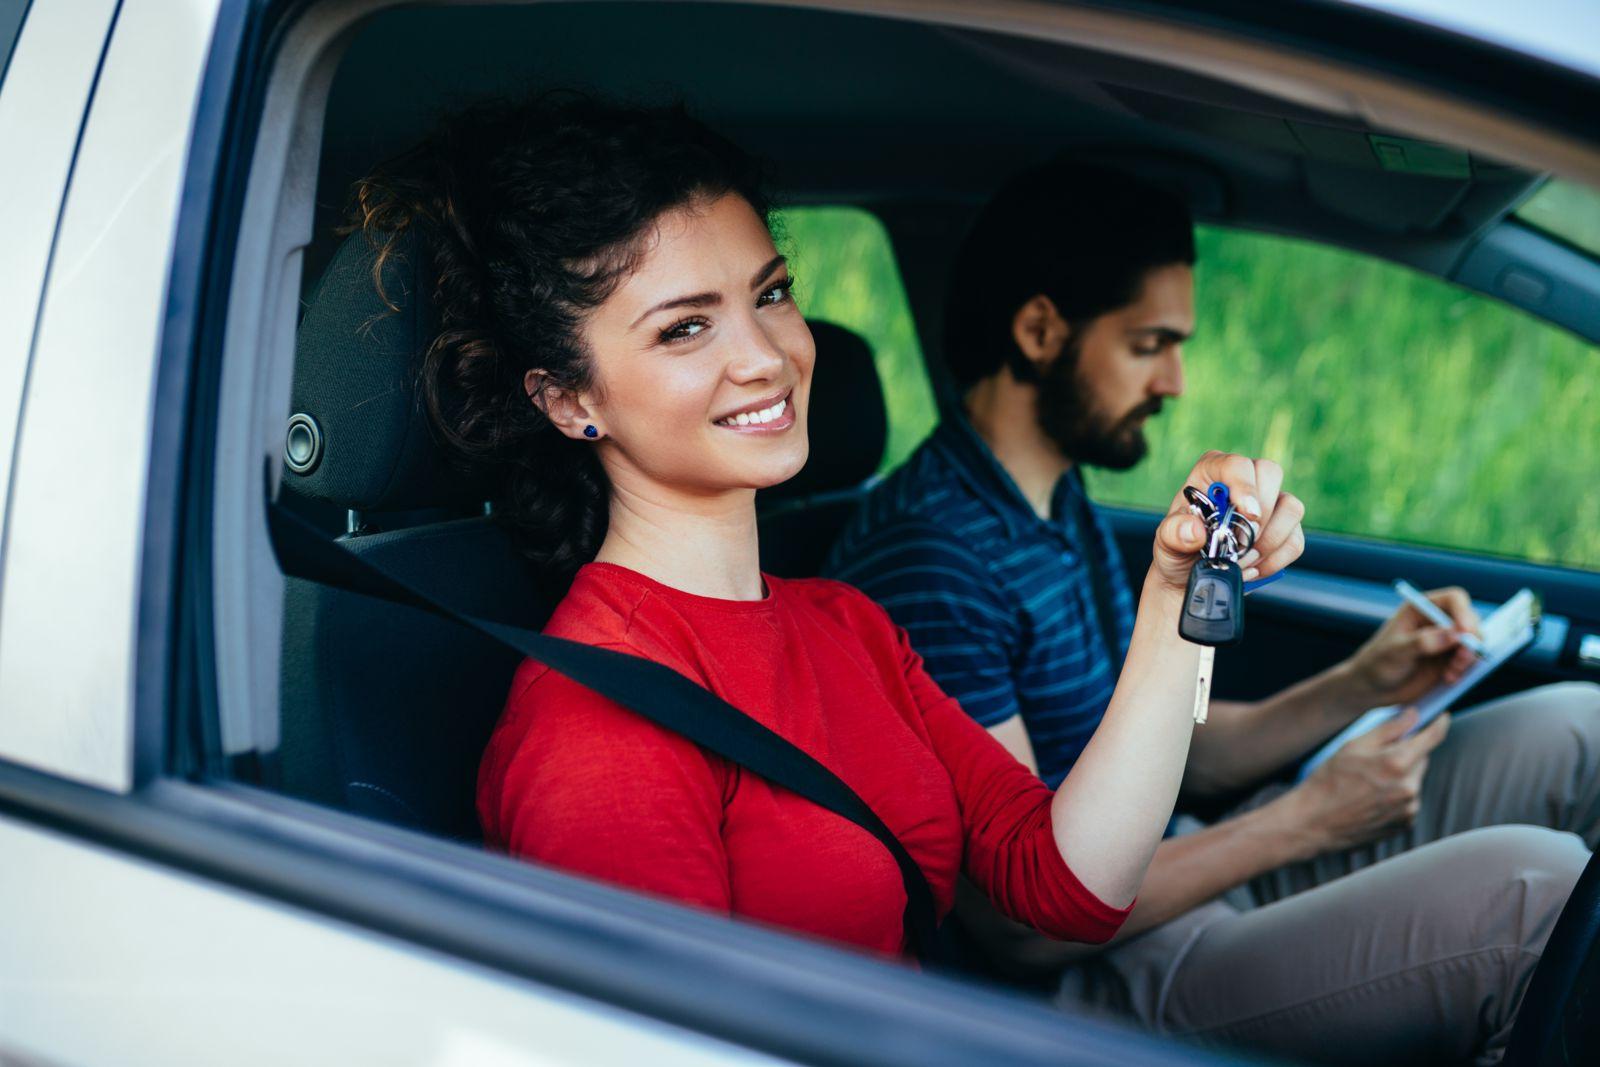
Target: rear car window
(1566,211)
(845,273)
(1402,407)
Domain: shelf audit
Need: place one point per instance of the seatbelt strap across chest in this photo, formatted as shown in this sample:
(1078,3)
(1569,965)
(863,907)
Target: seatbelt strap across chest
(645,687)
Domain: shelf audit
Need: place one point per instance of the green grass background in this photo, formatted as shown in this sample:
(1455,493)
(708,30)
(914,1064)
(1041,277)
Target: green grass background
(1401,407)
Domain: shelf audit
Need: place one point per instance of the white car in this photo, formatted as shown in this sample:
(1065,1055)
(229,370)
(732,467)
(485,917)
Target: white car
(235,808)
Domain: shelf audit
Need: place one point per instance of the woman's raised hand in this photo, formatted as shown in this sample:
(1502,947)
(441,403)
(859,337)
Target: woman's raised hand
(1256,489)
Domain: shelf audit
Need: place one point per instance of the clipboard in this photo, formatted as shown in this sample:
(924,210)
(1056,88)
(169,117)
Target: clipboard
(1505,633)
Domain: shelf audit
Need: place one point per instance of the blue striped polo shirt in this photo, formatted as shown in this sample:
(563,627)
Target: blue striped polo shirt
(998,601)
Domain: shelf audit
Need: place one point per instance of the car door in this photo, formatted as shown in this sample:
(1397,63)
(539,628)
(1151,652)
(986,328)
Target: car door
(157,914)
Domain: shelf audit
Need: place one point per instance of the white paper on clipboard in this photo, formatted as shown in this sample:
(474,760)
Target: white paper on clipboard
(1505,633)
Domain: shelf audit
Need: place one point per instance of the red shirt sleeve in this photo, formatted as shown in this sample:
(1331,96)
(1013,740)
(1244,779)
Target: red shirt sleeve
(577,781)
(1011,853)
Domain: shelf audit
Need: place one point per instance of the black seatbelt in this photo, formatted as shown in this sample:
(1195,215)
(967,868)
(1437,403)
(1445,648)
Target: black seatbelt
(651,689)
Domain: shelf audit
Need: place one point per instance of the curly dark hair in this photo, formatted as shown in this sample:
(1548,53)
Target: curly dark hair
(533,212)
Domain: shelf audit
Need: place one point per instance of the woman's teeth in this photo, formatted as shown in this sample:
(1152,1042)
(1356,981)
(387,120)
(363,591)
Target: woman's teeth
(755,418)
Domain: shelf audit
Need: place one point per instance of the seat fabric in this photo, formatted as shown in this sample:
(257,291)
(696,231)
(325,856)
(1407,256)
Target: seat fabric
(800,519)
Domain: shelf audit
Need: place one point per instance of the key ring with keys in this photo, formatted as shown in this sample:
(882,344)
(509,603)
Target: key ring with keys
(1213,611)
(1229,534)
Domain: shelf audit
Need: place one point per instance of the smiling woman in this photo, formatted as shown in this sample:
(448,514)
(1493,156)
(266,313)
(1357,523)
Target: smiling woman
(618,346)
(534,221)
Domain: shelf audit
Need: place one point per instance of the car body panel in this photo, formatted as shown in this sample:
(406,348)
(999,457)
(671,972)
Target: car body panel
(68,622)
(46,90)
(127,962)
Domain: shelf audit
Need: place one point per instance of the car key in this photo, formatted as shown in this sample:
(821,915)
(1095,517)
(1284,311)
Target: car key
(1212,615)
(1213,604)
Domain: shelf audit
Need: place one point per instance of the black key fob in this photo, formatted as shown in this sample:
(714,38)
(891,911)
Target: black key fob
(1213,608)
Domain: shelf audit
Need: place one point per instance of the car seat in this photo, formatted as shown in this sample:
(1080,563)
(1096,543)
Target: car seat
(800,519)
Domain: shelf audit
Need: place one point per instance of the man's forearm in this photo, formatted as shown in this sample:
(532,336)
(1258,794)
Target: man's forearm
(1245,742)
(1186,872)
(1194,868)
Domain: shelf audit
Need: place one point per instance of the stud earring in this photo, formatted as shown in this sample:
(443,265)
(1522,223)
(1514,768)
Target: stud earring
(590,432)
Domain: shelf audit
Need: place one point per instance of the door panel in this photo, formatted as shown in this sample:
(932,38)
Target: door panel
(131,962)
(1339,592)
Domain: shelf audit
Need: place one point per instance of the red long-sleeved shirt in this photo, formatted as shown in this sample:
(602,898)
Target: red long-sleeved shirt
(575,780)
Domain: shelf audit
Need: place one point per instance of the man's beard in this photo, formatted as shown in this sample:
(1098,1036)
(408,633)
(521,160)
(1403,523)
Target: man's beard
(1084,434)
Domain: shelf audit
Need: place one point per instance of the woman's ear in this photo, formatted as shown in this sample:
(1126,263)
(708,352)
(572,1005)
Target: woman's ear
(1039,331)
(564,408)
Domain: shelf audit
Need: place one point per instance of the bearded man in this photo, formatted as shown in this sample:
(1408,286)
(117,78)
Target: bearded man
(1388,908)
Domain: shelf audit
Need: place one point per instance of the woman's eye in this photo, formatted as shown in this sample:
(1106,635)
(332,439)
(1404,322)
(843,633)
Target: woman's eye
(683,330)
(777,294)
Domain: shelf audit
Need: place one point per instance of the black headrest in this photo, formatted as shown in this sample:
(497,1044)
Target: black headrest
(358,435)
(846,420)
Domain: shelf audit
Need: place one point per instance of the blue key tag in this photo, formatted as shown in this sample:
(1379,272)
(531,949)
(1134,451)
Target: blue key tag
(1218,495)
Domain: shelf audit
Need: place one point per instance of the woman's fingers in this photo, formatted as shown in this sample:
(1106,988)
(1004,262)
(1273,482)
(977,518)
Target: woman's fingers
(1287,511)
(1247,480)
(1255,490)
(1181,534)
(1278,558)
(1269,484)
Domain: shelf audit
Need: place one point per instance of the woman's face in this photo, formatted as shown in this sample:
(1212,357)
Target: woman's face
(702,360)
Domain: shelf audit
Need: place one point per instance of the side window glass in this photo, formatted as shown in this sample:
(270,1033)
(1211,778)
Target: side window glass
(845,273)
(1403,407)
(12,12)
(1567,211)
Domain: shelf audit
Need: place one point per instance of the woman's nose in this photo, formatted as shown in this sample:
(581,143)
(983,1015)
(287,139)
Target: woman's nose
(758,356)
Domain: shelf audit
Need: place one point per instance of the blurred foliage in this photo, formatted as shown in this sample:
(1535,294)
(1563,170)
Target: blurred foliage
(1402,407)
(845,273)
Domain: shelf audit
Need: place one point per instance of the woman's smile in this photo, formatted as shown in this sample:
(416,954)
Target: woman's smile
(765,416)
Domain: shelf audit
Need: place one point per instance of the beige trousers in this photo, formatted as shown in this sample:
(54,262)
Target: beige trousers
(1415,949)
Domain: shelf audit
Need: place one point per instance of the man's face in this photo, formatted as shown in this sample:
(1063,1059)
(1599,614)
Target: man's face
(1113,375)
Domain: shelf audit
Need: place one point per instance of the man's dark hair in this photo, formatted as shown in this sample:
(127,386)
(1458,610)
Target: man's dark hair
(1084,236)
